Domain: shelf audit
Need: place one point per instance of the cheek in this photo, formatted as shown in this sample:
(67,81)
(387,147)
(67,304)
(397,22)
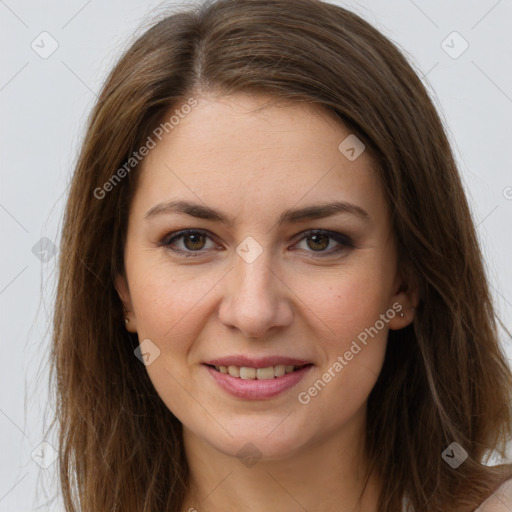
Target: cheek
(352,345)
(345,303)
(168,302)
(351,315)
(170,311)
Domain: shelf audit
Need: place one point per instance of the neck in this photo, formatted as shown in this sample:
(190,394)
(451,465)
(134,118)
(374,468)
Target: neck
(328,474)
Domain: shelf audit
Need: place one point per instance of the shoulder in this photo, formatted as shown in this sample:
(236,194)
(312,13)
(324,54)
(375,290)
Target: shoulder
(499,501)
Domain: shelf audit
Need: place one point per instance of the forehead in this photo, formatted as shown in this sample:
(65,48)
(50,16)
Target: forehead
(247,150)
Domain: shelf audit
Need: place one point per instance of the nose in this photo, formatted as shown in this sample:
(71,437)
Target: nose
(256,299)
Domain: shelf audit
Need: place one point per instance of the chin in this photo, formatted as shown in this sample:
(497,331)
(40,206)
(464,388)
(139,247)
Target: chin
(260,442)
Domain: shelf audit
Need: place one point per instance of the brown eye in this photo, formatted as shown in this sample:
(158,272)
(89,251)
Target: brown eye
(319,242)
(196,241)
(190,242)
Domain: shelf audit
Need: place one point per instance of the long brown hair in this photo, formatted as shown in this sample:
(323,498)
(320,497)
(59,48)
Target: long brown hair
(444,378)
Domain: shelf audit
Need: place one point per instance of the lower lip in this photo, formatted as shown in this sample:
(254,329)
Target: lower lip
(254,389)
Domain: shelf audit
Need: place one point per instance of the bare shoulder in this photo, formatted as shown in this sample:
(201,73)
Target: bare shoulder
(499,501)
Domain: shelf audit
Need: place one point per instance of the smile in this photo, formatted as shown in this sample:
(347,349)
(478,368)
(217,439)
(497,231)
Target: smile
(250,383)
(248,373)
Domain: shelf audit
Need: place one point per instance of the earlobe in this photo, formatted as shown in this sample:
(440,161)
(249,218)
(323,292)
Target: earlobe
(121,286)
(404,302)
(404,315)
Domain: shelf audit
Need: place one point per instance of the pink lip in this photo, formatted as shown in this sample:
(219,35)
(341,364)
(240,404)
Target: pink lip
(260,362)
(257,389)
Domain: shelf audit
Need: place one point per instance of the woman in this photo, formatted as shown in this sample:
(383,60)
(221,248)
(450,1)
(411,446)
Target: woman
(271,294)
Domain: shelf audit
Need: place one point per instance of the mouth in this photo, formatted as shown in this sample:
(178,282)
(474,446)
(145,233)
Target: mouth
(259,382)
(251,373)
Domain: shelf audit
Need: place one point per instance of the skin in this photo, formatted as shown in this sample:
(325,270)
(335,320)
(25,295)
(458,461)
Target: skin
(253,163)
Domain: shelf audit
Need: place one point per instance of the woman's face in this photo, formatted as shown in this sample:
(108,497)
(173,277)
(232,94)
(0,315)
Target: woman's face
(251,287)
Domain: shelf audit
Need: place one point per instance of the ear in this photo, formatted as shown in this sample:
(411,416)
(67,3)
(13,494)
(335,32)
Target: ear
(404,300)
(121,285)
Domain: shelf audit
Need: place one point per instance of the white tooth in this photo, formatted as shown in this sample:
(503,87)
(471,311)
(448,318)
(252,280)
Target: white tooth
(265,373)
(234,371)
(247,373)
(279,370)
(223,369)
(217,368)
(289,368)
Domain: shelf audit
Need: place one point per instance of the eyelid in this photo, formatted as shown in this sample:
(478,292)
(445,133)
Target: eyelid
(342,239)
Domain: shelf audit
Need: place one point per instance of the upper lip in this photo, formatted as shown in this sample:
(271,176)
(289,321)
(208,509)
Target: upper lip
(256,362)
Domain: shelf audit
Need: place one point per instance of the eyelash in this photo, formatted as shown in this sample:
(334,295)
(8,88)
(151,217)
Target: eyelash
(342,239)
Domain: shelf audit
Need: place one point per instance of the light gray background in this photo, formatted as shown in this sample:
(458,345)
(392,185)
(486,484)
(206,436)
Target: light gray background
(45,102)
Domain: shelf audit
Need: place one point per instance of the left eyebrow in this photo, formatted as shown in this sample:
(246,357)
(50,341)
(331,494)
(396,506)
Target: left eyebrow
(290,216)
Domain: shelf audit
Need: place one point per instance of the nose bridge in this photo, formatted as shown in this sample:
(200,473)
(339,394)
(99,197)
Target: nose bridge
(254,277)
(255,299)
